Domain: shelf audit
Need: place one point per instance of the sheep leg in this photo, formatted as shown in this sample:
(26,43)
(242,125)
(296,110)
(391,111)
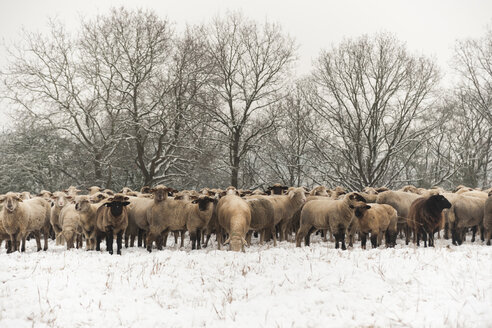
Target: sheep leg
(176,234)
(331,236)
(127,237)
(119,238)
(193,240)
(23,247)
(301,234)
(98,242)
(424,237)
(207,239)
(13,243)
(324,235)
(248,237)
(198,238)
(182,238)
(132,240)
(374,240)
(482,232)
(363,240)
(474,232)
(272,232)
(140,237)
(109,241)
(37,236)
(46,236)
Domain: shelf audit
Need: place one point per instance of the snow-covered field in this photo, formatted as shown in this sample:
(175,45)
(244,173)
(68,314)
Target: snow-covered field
(315,286)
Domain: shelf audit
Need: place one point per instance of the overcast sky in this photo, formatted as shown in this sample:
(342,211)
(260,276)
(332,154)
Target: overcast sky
(428,27)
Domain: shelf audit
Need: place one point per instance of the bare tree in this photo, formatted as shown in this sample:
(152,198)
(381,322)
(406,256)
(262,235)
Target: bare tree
(251,63)
(473,58)
(371,94)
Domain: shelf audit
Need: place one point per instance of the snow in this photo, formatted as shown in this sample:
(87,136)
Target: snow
(267,286)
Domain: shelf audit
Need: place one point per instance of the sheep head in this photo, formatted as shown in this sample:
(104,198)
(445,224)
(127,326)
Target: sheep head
(10,200)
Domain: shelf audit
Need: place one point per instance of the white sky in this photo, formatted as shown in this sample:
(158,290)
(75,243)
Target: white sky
(428,27)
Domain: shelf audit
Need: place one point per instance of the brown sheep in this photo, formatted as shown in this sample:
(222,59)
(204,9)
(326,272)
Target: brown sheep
(112,219)
(234,217)
(60,200)
(284,207)
(378,220)
(425,218)
(20,217)
(335,215)
(487,218)
(164,215)
(87,211)
(401,202)
(277,189)
(137,219)
(198,214)
(465,212)
(262,219)
(69,221)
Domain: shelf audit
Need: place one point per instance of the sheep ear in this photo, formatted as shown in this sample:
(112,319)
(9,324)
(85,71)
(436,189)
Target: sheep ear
(125,203)
(126,198)
(194,201)
(351,206)
(2,198)
(368,207)
(68,197)
(107,204)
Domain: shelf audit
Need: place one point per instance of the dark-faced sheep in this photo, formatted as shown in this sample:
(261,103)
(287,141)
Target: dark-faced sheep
(335,215)
(198,215)
(379,220)
(112,219)
(425,218)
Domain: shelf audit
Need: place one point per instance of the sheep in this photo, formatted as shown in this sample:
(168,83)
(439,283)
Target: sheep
(258,192)
(379,220)
(198,214)
(161,216)
(425,218)
(319,191)
(108,192)
(112,219)
(410,188)
(72,191)
(4,235)
(98,197)
(60,200)
(137,219)
(401,202)
(465,212)
(277,189)
(45,194)
(234,217)
(94,189)
(25,195)
(125,190)
(338,192)
(487,218)
(20,217)
(145,190)
(262,219)
(284,207)
(335,215)
(87,211)
(69,221)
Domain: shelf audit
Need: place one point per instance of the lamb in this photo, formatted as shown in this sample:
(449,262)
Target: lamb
(487,218)
(425,217)
(112,219)
(234,217)
(262,219)
(87,211)
(60,200)
(69,221)
(20,217)
(335,215)
(378,220)
(198,214)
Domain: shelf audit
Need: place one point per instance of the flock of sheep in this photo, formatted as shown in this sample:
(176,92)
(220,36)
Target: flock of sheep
(234,215)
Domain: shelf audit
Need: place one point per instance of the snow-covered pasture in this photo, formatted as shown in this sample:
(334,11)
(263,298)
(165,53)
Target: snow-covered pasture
(284,286)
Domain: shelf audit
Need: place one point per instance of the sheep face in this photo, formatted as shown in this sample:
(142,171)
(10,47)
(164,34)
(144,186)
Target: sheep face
(11,201)
(116,206)
(160,193)
(61,199)
(440,202)
(97,198)
(203,202)
(360,209)
(277,189)
(297,194)
(82,203)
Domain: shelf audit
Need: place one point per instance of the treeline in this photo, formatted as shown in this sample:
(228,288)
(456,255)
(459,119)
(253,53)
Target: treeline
(129,101)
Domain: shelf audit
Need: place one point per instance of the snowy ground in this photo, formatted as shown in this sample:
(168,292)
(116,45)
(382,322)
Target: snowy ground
(285,286)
